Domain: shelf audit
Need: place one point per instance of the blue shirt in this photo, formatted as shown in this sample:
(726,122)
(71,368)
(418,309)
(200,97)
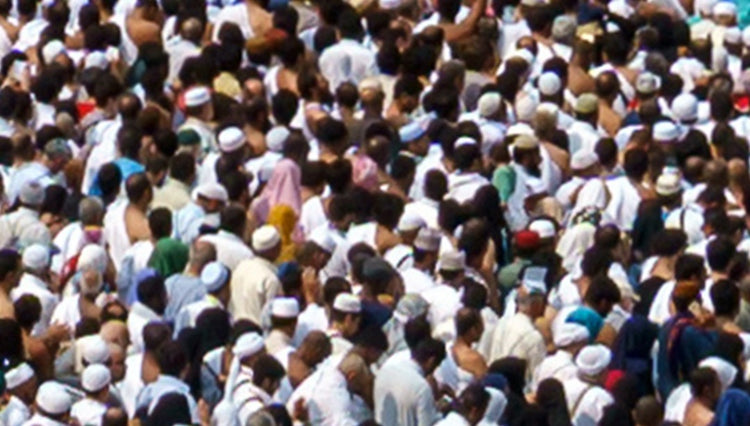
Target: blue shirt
(182,290)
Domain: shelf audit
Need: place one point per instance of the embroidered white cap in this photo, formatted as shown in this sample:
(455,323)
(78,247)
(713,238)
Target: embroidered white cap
(265,238)
(95,378)
(231,139)
(347,302)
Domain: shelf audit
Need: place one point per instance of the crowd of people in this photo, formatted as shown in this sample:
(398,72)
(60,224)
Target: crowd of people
(374,212)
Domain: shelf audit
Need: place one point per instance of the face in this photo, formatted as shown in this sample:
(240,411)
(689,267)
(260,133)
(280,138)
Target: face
(117,365)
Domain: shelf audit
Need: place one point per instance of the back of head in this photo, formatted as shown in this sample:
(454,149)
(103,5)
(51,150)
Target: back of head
(416,330)
(136,186)
(172,358)
(725,296)
(154,335)
(719,253)
(429,349)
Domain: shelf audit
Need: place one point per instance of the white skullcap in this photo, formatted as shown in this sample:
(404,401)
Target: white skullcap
(197,96)
(348,303)
(611,28)
(668,184)
(726,371)
(533,280)
(620,8)
(53,398)
(488,104)
(214,276)
(428,239)
(95,378)
(390,4)
(593,359)
(18,376)
(410,220)
(568,333)
(285,307)
(247,345)
(725,8)
(96,59)
(549,84)
(452,260)
(550,109)
(36,257)
(685,107)
(526,106)
(544,227)
(95,349)
(32,193)
(323,239)
(666,131)
(276,137)
(647,83)
(463,141)
(93,256)
(265,238)
(746,36)
(51,50)
(583,159)
(705,7)
(526,142)
(410,132)
(733,35)
(212,191)
(519,129)
(231,139)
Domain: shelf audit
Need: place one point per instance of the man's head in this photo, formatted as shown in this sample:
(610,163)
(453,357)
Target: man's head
(705,385)
(429,354)
(139,190)
(592,362)
(469,325)
(473,402)
(21,382)
(725,296)
(10,269)
(266,242)
(346,314)
(602,295)
(172,359)
(152,293)
(267,373)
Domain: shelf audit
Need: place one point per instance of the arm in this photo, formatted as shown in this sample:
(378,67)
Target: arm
(455,32)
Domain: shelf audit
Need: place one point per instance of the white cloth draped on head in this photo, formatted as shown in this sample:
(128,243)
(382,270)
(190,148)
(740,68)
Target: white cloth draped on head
(574,243)
(248,344)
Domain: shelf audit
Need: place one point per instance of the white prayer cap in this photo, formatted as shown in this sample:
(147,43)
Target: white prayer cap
(95,378)
(705,7)
(463,141)
(593,359)
(35,256)
(544,227)
(668,184)
(231,139)
(212,191)
(725,8)
(197,96)
(265,238)
(526,142)
(647,83)
(53,398)
(746,36)
(276,137)
(568,333)
(452,260)
(347,302)
(214,276)
(726,371)
(587,103)
(323,239)
(549,84)
(51,50)
(18,376)
(428,239)
(95,349)
(488,104)
(620,8)
(390,4)
(96,59)
(32,193)
(285,307)
(666,131)
(533,280)
(93,256)
(563,27)
(685,107)
(526,106)
(410,220)
(550,109)
(519,129)
(410,132)
(583,159)
(247,345)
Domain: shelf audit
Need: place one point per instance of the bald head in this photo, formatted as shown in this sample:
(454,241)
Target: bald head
(201,255)
(737,170)
(693,170)
(716,173)
(607,85)
(115,332)
(192,30)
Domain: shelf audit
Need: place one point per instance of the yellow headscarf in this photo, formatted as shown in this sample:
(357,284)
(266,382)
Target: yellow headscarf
(284,219)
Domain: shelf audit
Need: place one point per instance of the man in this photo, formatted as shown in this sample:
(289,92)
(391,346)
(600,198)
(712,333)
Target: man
(585,395)
(583,132)
(419,277)
(626,192)
(71,239)
(175,193)
(214,278)
(185,45)
(233,148)
(284,313)
(445,298)
(348,60)
(35,281)
(21,385)
(569,339)
(251,396)
(466,180)
(207,202)
(200,111)
(345,318)
(126,222)
(254,281)
(247,350)
(152,300)
(143,367)
(52,405)
(44,171)
(435,188)
(229,241)
(95,381)
(526,162)
(401,394)
(188,287)
(472,403)
(23,227)
(516,335)
(415,140)
(250,16)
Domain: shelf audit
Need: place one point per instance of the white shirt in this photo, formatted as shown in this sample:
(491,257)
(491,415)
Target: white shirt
(313,318)
(236,14)
(116,232)
(150,395)
(132,384)
(254,283)
(582,135)
(230,249)
(444,302)
(558,366)
(15,413)
(688,219)
(179,50)
(402,395)
(517,336)
(347,60)
(31,171)
(329,403)
(463,186)
(416,280)
(88,412)
(31,284)
(427,209)
(188,315)
(433,161)
(586,402)
(453,419)
(312,215)
(623,203)
(248,399)
(139,316)
(103,136)
(23,228)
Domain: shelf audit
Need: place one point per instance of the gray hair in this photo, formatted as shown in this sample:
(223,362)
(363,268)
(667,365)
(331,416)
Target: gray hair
(91,211)
(201,254)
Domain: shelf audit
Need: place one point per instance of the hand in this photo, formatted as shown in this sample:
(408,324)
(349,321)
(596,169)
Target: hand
(300,411)
(204,412)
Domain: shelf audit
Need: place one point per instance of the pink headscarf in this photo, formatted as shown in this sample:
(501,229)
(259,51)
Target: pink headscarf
(282,188)
(365,172)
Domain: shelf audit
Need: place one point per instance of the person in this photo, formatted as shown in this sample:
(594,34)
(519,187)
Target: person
(284,313)
(360,62)
(705,389)
(186,287)
(207,202)
(733,408)
(215,278)
(585,397)
(254,281)
(170,255)
(23,227)
(175,193)
(21,384)
(463,364)
(95,381)
(126,223)
(419,278)
(252,396)
(569,339)
(229,241)
(36,281)
(53,404)
(150,306)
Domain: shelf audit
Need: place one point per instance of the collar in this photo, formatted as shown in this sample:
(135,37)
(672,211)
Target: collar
(174,382)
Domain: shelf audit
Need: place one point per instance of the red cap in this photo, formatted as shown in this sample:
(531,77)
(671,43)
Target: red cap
(527,239)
